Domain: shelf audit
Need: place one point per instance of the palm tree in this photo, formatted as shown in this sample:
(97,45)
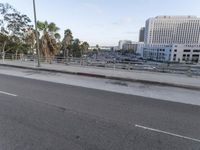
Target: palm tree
(59,44)
(30,39)
(67,43)
(84,47)
(48,44)
(76,48)
(57,37)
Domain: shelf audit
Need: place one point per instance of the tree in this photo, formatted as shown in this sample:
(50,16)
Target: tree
(76,48)
(58,42)
(48,44)
(67,43)
(12,25)
(84,47)
(30,39)
(57,37)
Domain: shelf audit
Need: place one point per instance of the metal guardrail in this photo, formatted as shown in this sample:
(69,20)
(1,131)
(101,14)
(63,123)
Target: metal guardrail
(190,70)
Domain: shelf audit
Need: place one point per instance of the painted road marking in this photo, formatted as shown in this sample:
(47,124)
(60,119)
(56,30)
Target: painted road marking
(168,133)
(6,93)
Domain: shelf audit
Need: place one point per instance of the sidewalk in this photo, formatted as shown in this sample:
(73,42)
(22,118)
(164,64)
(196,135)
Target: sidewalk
(165,79)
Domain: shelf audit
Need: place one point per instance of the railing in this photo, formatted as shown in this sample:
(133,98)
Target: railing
(190,70)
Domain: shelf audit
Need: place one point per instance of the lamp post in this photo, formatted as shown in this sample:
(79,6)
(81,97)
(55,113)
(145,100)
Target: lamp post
(37,36)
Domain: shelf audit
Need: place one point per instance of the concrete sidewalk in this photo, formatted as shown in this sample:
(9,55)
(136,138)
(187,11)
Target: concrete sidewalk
(166,79)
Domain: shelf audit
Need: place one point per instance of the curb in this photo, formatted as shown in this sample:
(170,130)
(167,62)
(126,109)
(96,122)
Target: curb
(106,77)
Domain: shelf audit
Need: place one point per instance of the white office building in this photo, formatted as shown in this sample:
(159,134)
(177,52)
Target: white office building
(185,53)
(182,53)
(172,30)
(172,38)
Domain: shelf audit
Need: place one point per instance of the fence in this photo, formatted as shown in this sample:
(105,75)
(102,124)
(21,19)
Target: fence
(188,69)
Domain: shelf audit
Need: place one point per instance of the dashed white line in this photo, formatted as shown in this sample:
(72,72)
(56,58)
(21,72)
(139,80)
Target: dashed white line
(10,94)
(167,133)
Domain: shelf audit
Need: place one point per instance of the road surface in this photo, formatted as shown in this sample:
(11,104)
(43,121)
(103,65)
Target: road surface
(39,115)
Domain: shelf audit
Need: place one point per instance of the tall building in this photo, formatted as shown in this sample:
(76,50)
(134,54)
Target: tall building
(172,30)
(141,35)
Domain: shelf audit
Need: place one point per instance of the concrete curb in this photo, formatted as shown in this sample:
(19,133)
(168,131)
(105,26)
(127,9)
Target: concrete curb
(107,77)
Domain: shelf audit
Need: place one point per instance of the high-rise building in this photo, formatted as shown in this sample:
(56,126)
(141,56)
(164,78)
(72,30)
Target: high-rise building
(141,35)
(172,30)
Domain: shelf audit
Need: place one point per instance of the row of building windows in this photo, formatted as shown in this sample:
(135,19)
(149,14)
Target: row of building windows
(188,50)
(185,57)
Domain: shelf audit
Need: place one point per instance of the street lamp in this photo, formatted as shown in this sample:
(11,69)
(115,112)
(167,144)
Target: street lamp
(37,36)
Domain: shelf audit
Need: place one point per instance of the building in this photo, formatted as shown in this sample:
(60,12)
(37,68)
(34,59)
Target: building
(185,53)
(157,52)
(172,38)
(140,47)
(135,47)
(102,48)
(122,42)
(172,30)
(130,47)
(182,53)
(141,34)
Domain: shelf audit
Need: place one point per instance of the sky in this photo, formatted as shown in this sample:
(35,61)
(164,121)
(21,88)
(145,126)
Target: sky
(104,22)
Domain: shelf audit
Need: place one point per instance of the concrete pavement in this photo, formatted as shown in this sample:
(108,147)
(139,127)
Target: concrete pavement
(167,93)
(166,79)
(51,116)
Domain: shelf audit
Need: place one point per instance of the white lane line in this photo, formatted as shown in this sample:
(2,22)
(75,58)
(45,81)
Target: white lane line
(168,133)
(6,93)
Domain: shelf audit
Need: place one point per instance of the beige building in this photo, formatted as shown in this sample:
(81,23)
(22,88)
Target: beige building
(172,30)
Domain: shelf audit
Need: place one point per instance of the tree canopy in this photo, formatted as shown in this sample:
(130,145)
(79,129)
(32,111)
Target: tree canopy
(18,36)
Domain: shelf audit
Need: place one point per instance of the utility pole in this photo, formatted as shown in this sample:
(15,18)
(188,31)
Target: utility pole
(37,36)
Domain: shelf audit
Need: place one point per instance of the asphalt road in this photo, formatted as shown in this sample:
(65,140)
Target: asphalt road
(38,115)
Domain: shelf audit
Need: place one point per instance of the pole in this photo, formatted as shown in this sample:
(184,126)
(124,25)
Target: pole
(3,53)
(37,36)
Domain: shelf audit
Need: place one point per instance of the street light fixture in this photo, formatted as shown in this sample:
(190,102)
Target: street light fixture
(37,36)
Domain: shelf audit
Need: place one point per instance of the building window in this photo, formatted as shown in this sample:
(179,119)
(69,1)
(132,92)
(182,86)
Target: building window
(195,58)
(175,50)
(184,57)
(186,50)
(196,50)
(174,58)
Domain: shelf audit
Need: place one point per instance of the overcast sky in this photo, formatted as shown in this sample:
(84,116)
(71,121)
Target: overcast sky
(104,22)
